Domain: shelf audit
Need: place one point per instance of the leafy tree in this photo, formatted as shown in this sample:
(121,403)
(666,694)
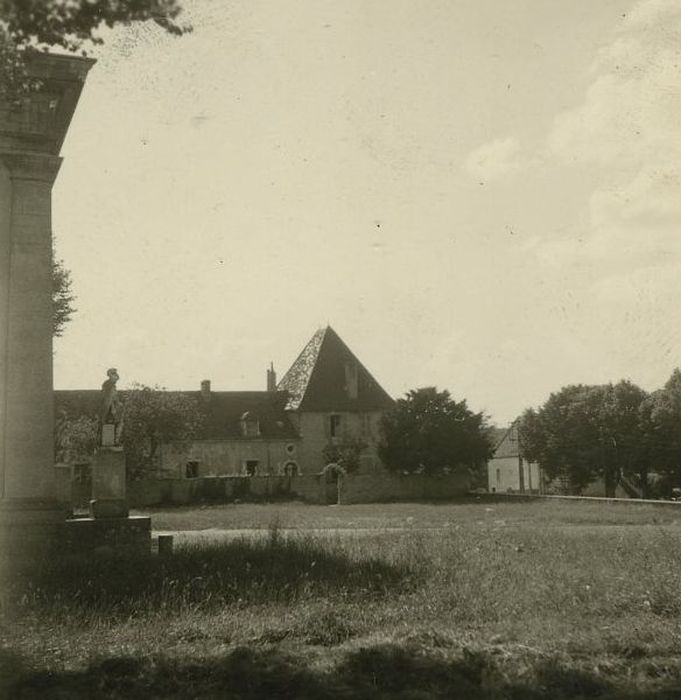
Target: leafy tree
(75,438)
(152,416)
(27,24)
(62,296)
(429,432)
(585,432)
(347,454)
(660,421)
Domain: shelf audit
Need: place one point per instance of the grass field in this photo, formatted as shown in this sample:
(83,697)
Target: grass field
(476,599)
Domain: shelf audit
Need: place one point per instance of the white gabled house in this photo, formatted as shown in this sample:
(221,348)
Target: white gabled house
(508,471)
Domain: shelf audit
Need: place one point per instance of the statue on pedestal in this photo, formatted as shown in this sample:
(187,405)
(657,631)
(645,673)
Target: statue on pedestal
(111,414)
(108,469)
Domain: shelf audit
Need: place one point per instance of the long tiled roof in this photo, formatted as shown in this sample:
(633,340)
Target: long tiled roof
(222,411)
(317,380)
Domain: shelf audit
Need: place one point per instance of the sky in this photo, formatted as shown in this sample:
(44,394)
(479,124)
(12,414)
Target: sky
(478,195)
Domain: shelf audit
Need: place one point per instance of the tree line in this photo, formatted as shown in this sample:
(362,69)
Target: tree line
(615,432)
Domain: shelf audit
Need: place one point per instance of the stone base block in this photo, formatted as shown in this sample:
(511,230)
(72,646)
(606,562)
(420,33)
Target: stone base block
(108,474)
(107,536)
(63,484)
(108,508)
(29,532)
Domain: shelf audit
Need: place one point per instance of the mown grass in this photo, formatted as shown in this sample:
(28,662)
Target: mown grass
(543,513)
(500,603)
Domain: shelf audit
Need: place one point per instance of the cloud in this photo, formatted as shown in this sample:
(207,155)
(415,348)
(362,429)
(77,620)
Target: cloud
(630,112)
(620,262)
(494,159)
(627,128)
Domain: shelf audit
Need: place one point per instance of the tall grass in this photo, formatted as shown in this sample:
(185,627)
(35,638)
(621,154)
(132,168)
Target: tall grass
(498,607)
(244,571)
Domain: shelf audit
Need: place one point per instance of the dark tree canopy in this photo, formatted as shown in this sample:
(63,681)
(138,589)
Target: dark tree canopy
(26,25)
(70,24)
(151,417)
(661,423)
(429,432)
(62,296)
(584,432)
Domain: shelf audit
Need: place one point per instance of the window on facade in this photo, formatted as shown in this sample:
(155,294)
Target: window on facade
(250,425)
(290,449)
(334,426)
(251,467)
(291,469)
(191,470)
(498,476)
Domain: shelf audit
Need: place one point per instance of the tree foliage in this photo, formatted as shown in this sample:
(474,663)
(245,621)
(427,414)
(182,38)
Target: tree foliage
(584,432)
(429,432)
(62,296)
(68,24)
(347,454)
(75,438)
(151,417)
(661,425)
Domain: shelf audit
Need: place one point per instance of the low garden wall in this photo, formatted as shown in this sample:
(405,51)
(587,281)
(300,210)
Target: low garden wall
(311,488)
(224,489)
(374,488)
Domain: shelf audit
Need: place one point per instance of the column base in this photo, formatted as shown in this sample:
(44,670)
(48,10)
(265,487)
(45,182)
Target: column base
(29,531)
(35,532)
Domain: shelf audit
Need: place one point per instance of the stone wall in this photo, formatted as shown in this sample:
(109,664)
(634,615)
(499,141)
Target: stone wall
(311,488)
(314,431)
(225,489)
(375,488)
(228,457)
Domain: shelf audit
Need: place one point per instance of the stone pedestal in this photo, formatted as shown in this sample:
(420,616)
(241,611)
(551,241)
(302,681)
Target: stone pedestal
(31,135)
(83,537)
(30,530)
(108,484)
(63,487)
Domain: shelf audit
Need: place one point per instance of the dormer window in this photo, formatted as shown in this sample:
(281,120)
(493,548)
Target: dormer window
(250,425)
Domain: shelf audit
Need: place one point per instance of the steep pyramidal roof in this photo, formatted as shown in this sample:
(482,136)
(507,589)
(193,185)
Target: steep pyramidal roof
(319,380)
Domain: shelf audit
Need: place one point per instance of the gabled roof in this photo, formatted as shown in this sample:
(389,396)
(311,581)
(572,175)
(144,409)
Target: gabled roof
(318,379)
(222,411)
(496,435)
(509,445)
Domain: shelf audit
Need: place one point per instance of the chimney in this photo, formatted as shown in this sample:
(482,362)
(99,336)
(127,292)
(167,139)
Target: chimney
(271,378)
(205,390)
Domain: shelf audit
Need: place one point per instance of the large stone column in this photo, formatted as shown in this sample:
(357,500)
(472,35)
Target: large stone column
(31,135)
(28,411)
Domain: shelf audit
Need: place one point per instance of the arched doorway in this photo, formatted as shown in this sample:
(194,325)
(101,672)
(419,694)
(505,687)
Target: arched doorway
(330,483)
(291,469)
